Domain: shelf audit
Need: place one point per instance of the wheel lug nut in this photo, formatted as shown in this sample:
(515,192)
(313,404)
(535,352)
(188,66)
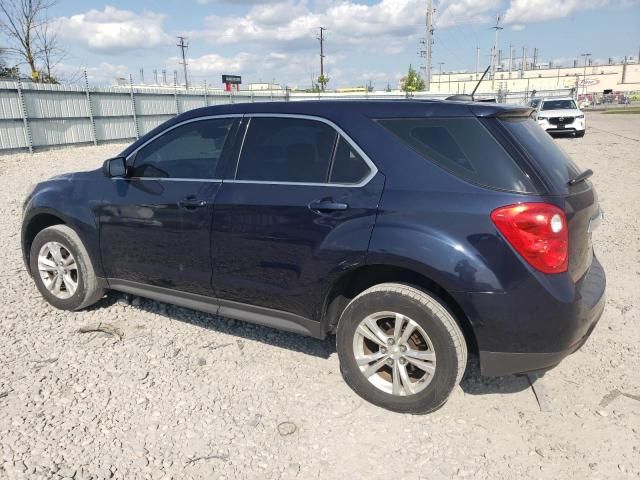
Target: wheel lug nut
(390,361)
(403,348)
(383,350)
(390,341)
(403,361)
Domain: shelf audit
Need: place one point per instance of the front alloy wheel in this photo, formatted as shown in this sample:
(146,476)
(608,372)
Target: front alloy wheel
(58,270)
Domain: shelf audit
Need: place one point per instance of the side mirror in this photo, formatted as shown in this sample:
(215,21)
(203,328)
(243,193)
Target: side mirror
(115,167)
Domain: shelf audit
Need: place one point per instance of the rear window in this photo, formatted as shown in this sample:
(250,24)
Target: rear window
(464,147)
(541,148)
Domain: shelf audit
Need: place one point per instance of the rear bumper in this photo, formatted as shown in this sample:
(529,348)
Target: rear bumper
(536,324)
(506,363)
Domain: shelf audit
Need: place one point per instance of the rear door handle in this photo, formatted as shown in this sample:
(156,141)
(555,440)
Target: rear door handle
(191,203)
(327,206)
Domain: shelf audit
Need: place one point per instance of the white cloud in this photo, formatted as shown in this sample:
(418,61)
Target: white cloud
(528,11)
(112,30)
(457,12)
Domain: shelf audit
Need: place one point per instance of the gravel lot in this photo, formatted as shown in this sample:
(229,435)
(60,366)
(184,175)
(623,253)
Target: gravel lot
(172,393)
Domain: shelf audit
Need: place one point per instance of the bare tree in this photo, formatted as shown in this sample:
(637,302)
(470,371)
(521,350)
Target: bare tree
(25,24)
(50,51)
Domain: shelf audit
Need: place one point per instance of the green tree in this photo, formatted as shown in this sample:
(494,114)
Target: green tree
(322,81)
(5,70)
(412,82)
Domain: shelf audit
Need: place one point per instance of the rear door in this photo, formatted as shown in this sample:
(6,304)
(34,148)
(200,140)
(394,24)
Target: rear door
(155,225)
(297,211)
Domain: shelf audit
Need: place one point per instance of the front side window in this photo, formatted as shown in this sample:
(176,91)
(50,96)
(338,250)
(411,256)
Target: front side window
(191,150)
(279,149)
(464,147)
(559,105)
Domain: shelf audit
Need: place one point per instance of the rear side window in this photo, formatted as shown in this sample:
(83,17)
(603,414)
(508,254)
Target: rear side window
(348,165)
(464,147)
(287,150)
(191,150)
(541,148)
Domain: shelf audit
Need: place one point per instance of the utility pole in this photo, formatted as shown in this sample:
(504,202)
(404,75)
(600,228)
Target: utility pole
(183,45)
(535,58)
(155,76)
(440,76)
(142,75)
(429,41)
(322,80)
(584,73)
(497,29)
(477,61)
(510,59)
(523,65)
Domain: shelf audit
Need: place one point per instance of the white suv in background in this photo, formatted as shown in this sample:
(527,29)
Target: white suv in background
(559,115)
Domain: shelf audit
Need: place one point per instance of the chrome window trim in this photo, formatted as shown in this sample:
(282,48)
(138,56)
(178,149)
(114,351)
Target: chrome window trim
(185,122)
(373,170)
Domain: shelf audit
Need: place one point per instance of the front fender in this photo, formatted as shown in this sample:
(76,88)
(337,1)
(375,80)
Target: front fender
(73,201)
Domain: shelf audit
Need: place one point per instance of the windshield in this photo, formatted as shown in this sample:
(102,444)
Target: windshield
(559,105)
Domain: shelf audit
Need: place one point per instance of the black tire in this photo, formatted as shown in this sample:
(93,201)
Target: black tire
(88,290)
(433,317)
(580,134)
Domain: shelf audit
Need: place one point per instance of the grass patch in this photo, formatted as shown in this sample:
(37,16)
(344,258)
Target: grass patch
(623,110)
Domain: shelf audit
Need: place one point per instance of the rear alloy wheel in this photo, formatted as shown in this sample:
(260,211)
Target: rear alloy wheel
(400,348)
(394,353)
(62,269)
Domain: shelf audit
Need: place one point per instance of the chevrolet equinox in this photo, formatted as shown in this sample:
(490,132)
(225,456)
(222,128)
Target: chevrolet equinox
(413,231)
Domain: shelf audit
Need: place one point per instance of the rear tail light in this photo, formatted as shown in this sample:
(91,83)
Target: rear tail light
(538,232)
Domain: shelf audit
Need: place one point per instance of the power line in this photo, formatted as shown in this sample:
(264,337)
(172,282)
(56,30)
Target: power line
(183,45)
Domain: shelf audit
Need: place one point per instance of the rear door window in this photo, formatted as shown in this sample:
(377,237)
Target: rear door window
(280,149)
(465,148)
(348,165)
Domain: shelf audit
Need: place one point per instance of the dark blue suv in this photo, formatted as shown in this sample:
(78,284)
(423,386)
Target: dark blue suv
(412,230)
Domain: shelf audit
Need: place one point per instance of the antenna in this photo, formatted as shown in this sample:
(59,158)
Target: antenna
(479,82)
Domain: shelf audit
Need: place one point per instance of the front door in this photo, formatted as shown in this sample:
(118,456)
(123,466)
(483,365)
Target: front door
(298,212)
(155,225)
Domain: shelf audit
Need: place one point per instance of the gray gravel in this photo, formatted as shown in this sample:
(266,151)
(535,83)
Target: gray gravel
(137,389)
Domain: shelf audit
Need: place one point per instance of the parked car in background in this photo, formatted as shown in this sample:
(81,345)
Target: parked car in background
(559,115)
(413,231)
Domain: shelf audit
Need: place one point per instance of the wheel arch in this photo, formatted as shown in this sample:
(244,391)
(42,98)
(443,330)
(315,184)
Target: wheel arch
(352,283)
(34,225)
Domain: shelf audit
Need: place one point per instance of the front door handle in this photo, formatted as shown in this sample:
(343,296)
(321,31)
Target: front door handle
(191,203)
(327,206)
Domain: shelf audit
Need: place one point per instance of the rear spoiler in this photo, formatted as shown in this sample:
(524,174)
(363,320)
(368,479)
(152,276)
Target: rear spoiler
(522,112)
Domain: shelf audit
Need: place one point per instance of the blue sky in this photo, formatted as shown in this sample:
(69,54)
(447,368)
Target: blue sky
(366,39)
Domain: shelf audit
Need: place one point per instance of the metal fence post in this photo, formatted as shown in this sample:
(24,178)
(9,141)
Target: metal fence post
(206,99)
(23,105)
(133,108)
(91,119)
